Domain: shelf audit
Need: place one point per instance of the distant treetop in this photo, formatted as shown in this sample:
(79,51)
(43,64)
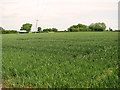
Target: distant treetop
(26,27)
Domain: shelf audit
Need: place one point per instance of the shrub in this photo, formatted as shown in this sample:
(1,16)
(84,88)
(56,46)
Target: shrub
(9,31)
(50,30)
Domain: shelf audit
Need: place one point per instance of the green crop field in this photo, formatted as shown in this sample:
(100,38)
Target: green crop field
(60,60)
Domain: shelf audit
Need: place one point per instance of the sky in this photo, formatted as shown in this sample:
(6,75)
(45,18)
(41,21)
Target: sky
(60,14)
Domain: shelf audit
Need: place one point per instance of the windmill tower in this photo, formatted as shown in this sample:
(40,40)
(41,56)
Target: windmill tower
(36,25)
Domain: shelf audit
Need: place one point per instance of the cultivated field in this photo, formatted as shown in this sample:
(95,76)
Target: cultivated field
(76,60)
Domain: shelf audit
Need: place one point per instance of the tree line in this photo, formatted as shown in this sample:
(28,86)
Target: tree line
(74,28)
(91,27)
(3,31)
(28,26)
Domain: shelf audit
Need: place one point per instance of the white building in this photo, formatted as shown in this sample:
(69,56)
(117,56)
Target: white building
(22,31)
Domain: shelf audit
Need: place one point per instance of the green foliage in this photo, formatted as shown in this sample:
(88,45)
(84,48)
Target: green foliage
(26,27)
(47,30)
(77,28)
(60,60)
(50,30)
(110,29)
(9,31)
(1,29)
(39,29)
(65,30)
(54,29)
(97,26)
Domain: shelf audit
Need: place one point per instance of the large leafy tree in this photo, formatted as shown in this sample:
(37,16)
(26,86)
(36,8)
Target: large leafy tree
(26,27)
(79,27)
(97,26)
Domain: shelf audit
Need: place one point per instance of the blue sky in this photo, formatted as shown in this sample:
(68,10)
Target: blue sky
(57,13)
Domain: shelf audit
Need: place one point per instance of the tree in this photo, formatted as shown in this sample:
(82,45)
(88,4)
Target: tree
(92,26)
(54,29)
(50,30)
(26,27)
(39,29)
(8,31)
(110,29)
(1,30)
(65,30)
(79,27)
(46,30)
(97,26)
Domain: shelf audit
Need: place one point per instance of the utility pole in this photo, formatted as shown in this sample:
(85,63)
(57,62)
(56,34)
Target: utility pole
(36,24)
